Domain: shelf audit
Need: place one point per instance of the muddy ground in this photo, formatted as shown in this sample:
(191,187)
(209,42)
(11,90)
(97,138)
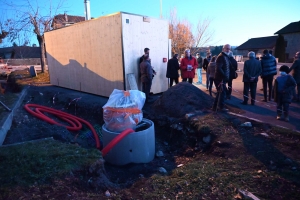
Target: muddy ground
(186,131)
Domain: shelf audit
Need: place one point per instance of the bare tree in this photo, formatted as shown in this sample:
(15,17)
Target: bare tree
(203,35)
(31,17)
(3,33)
(180,31)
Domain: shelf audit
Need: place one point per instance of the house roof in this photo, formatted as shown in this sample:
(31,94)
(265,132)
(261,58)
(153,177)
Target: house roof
(293,27)
(259,43)
(67,19)
(21,52)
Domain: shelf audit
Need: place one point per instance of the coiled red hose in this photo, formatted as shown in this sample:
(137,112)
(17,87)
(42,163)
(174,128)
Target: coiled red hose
(75,122)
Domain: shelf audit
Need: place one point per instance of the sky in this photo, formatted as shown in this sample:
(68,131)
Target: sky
(232,21)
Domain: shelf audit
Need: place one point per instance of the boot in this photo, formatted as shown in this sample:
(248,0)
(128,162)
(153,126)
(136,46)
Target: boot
(286,118)
(279,114)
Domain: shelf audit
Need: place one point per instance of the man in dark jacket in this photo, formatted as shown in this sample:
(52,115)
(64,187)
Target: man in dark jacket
(172,69)
(199,68)
(296,74)
(146,51)
(146,75)
(205,66)
(222,77)
(268,65)
(233,68)
(252,70)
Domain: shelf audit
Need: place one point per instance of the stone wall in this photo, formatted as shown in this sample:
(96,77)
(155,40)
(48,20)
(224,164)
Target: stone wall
(293,45)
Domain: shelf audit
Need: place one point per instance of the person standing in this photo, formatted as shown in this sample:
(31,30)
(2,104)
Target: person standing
(146,75)
(252,70)
(205,65)
(232,75)
(188,66)
(147,51)
(268,65)
(222,77)
(284,87)
(172,69)
(199,68)
(211,69)
(296,74)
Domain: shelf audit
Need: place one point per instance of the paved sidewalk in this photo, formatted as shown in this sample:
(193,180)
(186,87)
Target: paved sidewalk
(262,111)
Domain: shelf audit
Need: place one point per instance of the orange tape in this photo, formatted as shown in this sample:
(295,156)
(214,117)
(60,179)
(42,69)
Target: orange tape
(125,110)
(126,93)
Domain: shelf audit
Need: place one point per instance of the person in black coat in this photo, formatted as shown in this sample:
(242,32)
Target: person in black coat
(172,69)
(233,68)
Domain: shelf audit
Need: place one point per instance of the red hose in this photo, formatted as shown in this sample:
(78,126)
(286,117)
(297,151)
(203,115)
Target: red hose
(75,123)
(116,140)
(71,119)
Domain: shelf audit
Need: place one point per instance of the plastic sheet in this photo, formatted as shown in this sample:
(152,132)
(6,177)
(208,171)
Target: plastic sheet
(123,110)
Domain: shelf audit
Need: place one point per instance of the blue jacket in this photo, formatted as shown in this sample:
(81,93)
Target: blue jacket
(284,87)
(268,65)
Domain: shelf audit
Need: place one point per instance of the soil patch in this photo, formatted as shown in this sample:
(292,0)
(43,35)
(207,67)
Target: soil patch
(206,155)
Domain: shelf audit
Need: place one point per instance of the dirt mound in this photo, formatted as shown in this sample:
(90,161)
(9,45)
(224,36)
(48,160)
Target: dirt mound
(181,99)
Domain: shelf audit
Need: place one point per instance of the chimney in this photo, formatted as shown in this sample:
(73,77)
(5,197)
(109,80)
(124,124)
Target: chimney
(66,17)
(87,9)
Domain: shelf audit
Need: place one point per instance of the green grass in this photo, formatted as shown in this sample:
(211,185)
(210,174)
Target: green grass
(41,161)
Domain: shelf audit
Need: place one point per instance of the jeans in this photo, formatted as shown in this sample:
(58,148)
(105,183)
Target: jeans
(207,79)
(267,82)
(211,80)
(146,88)
(282,107)
(199,74)
(221,92)
(172,80)
(229,89)
(252,87)
(185,79)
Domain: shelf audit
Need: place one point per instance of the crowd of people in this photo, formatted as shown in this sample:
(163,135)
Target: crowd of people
(221,70)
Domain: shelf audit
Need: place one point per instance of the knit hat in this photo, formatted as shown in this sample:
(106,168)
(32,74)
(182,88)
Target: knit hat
(284,68)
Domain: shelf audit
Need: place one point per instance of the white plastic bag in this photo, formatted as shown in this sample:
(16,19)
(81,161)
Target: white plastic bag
(123,110)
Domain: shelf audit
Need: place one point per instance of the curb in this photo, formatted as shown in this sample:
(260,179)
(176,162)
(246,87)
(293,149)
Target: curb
(256,120)
(7,123)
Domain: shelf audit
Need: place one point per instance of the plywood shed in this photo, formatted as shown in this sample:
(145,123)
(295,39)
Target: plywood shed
(95,56)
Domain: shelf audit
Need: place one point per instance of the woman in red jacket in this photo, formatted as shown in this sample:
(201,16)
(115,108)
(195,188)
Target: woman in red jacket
(188,65)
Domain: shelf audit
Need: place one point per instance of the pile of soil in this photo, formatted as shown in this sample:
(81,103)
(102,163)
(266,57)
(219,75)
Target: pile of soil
(181,99)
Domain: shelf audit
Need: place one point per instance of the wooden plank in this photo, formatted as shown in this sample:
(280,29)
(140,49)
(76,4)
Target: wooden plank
(132,81)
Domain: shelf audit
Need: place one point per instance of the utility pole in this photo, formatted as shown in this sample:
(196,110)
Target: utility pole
(161,9)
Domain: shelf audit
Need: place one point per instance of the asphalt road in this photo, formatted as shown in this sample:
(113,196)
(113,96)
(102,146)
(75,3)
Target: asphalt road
(262,111)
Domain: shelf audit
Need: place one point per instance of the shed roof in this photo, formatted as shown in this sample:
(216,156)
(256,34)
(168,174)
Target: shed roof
(259,43)
(293,27)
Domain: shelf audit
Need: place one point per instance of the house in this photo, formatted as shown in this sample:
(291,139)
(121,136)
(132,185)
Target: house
(21,52)
(291,35)
(63,20)
(257,45)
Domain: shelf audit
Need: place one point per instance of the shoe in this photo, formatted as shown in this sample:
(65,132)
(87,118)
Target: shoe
(228,97)
(278,117)
(214,108)
(206,89)
(244,103)
(224,110)
(264,100)
(252,104)
(287,119)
